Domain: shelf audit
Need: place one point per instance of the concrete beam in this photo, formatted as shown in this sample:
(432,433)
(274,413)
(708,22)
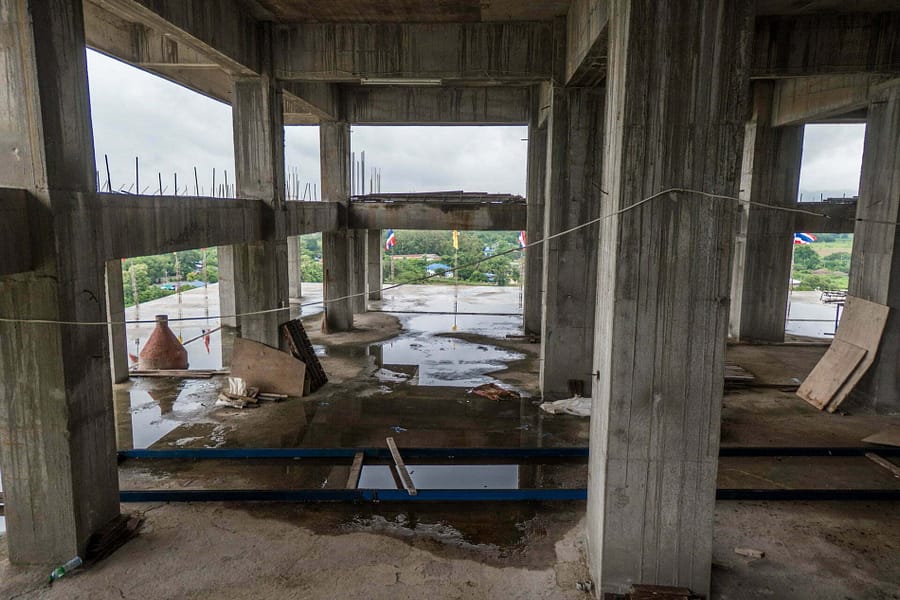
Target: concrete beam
(826,44)
(587,26)
(311,217)
(841,217)
(387,105)
(425,214)
(472,52)
(15,236)
(146,225)
(221,31)
(314,97)
(804,99)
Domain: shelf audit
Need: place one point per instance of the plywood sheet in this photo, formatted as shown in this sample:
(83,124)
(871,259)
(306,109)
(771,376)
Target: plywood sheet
(849,357)
(266,368)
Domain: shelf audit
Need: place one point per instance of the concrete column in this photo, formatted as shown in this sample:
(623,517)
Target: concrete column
(575,138)
(764,244)
(373,256)
(295,288)
(57,429)
(115,312)
(359,265)
(535,189)
(259,270)
(334,156)
(875,264)
(678,86)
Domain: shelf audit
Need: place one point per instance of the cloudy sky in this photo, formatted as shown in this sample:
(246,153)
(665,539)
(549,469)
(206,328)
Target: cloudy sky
(173,130)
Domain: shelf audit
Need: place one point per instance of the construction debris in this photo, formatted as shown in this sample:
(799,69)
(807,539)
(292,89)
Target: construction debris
(578,406)
(239,395)
(302,349)
(749,552)
(268,369)
(492,391)
(660,592)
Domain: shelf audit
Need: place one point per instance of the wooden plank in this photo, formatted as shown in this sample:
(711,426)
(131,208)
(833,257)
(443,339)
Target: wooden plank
(887,437)
(827,377)
(401,467)
(840,369)
(355,471)
(883,462)
(266,368)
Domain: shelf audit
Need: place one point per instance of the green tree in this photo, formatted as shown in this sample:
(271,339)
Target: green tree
(806,259)
(839,261)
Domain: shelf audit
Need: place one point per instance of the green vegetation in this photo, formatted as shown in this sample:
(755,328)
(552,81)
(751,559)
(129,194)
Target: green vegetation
(152,271)
(824,264)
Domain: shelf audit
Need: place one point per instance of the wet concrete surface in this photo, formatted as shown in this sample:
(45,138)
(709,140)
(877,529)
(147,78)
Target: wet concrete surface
(408,377)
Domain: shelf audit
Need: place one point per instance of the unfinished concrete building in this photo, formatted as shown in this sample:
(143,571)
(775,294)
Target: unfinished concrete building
(660,133)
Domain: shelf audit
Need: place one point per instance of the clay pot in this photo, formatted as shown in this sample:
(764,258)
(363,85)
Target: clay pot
(163,350)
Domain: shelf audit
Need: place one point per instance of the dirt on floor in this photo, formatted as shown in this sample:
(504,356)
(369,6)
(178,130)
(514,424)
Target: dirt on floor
(389,379)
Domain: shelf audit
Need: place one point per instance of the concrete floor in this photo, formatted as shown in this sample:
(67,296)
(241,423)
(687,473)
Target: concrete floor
(411,383)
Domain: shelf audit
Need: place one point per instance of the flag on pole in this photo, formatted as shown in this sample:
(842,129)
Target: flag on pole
(391,240)
(455,240)
(804,238)
(523,240)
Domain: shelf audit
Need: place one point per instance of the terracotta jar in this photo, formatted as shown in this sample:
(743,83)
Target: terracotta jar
(163,350)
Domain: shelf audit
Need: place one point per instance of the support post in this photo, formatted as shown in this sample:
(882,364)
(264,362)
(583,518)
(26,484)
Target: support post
(359,265)
(258,271)
(764,243)
(575,138)
(875,262)
(57,429)
(374,263)
(534,230)
(294,246)
(115,313)
(678,87)
(334,153)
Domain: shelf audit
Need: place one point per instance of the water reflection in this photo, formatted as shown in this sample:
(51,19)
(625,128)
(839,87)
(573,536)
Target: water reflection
(150,410)
(444,477)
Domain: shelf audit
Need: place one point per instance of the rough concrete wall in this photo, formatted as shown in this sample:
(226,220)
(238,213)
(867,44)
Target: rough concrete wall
(57,437)
(374,257)
(334,152)
(575,135)
(534,257)
(875,264)
(771,167)
(675,118)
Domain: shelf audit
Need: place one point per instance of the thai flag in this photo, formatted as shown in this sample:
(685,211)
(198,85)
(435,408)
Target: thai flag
(391,240)
(522,239)
(804,238)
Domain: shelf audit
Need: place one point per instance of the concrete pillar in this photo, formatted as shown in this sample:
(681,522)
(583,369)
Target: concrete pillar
(678,84)
(764,244)
(575,138)
(875,264)
(535,189)
(57,429)
(256,274)
(359,265)
(115,313)
(295,288)
(373,256)
(334,156)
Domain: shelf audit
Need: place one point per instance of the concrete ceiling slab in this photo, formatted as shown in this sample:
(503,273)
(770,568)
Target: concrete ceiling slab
(412,11)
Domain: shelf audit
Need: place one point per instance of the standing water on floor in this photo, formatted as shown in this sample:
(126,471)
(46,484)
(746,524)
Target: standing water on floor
(2,518)
(144,416)
(444,477)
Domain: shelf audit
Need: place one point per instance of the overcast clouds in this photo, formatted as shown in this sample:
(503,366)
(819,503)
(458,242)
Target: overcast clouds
(172,129)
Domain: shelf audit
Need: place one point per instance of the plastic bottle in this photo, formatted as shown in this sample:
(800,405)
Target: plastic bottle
(62,570)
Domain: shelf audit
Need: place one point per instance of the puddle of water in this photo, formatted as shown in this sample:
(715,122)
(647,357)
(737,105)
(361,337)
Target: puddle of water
(145,416)
(444,477)
(2,518)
